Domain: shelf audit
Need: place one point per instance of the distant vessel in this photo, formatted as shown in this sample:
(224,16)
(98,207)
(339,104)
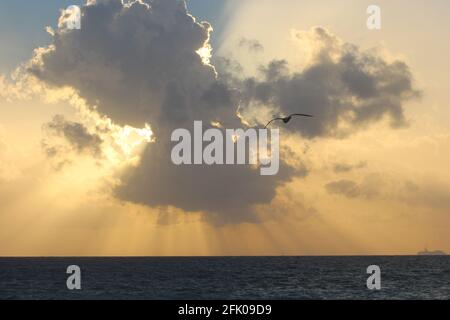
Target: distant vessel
(431,253)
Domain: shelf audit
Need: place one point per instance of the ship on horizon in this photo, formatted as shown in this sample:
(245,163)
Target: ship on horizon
(431,253)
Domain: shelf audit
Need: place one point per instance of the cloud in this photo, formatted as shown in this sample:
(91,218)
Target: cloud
(8,167)
(227,194)
(432,193)
(371,186)
(345,167)
(147,63)
(347,188)
(345,88)
(139,64)
(251,44)
(76,134)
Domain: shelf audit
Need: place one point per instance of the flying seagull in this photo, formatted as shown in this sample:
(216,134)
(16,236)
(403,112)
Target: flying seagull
(289,118)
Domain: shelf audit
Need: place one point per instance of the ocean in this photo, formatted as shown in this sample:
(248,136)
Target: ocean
(195,278)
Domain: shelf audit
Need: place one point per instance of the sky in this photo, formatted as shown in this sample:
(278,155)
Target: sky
(86,117)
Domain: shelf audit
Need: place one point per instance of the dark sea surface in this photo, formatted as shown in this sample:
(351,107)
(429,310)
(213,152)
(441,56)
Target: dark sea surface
(226,278)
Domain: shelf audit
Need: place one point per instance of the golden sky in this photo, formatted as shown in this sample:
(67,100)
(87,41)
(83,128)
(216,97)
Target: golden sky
(379,190)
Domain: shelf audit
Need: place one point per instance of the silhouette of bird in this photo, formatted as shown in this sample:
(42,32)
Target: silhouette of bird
(289,118)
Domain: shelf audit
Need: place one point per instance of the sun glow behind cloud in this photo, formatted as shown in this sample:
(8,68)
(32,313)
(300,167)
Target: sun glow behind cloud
(205,53)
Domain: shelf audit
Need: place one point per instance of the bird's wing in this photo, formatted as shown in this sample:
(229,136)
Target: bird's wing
(302,115)
(272,121)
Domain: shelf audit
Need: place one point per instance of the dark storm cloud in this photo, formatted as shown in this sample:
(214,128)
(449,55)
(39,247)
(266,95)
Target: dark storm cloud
(138,63)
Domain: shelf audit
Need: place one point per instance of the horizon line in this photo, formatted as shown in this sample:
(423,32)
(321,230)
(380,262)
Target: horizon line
(217,256)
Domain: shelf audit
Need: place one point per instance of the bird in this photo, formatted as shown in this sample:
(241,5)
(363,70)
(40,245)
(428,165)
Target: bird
(289,118)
